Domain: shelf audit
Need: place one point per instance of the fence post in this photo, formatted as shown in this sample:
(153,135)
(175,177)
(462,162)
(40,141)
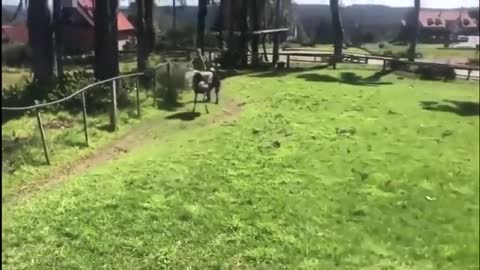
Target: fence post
(113,115)
(138,97)
(85,126)
(169,76)
(314,58)
(468,75)
(42,134)
(288,61)
(155,88)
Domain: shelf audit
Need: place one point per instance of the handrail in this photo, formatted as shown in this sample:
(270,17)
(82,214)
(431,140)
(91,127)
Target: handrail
(70,96)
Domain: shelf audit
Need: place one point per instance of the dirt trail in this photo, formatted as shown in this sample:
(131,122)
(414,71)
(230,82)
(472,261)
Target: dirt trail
(137,137)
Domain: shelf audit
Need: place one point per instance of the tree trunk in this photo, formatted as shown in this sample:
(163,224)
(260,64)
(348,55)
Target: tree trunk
(58,26)
(149,29)
(40,40)
(106,39)
(221,22)
(414,31)
(276,37)
(174,22)
(141,48)
(202,13)
(338,31)
(243,37)
(256,10)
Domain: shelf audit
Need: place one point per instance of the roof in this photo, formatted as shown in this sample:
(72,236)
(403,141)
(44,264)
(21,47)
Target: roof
(15,33)
(431,18)
(86,8)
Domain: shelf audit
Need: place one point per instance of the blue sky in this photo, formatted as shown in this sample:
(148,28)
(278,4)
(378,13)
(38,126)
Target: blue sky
(397,3)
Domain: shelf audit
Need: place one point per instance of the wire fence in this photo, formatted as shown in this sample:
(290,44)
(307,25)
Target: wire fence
(114,83)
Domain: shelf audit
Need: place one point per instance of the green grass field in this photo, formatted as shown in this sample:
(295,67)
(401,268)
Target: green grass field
(432,52)
(317,169)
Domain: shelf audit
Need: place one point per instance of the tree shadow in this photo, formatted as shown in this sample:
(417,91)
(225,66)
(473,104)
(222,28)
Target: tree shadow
(462,108)
(347,78)
(184,116)
(286,71)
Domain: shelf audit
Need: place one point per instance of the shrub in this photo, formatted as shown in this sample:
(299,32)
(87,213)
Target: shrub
(178,83)
(473,61)
(436,72)
(381,45)
(16,55)
(97,99)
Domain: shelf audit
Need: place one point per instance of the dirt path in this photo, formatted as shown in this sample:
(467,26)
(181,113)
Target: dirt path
(137,137)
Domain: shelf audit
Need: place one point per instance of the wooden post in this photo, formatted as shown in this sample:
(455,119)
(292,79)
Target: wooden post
(138,97)
(468,76)
(42,134)
(85,126)
(314,58)
(288,61)
(169,76)
(384,64)
(155,89)
(113,115)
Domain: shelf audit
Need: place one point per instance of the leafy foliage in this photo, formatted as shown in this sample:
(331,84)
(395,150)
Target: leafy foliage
(436,72)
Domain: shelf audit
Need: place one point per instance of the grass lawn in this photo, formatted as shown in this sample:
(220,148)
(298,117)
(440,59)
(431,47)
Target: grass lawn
(320,170)
(429,51)
(14,76)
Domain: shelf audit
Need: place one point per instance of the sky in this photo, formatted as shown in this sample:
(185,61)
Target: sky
(396,3)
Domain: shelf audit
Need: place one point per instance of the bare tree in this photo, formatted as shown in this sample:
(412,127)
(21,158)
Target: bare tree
(243,33)
(276,37)
(141,48)
(39,22)
(149,29)
(414,31)
(106,39)
(58,30)
(338,31)
(202,13)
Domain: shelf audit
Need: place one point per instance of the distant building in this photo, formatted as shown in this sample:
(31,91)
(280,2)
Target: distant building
(438,25)
(78,25)
(14,34)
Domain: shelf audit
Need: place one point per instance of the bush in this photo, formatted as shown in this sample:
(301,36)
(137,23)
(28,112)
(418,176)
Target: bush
(97,99)
(16,55)
(436,72)
(381,45)
(473,61)
(178,83)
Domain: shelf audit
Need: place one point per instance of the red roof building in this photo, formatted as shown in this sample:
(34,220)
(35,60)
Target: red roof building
(437,25)
(79,35)
(78,28)
(14,34)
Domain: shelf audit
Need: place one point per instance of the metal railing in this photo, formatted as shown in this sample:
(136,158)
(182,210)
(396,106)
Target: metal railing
(81,92)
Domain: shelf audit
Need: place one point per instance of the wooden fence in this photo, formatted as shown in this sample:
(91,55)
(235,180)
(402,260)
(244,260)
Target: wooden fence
(113,112)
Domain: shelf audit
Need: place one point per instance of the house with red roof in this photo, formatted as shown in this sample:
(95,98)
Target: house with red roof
(78,17)
(14,34)
(437,25)
(78,25)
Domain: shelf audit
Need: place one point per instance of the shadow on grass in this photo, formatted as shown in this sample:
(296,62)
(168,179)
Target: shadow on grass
(284,72)
(462,108)
(347,78)
(184,116)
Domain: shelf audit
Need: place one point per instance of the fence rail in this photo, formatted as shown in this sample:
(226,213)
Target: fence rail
(81,92)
